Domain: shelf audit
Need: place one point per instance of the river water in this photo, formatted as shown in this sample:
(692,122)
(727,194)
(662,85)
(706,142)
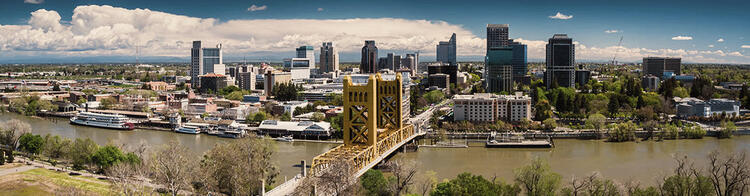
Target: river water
(644,161)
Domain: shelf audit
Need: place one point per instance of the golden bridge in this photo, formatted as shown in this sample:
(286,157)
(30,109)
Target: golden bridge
(373,128)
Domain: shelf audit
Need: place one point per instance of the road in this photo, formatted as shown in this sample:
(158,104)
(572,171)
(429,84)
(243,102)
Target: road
(422,121)
(16,170)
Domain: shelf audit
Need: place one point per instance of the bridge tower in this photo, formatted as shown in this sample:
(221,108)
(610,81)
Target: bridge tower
(359,112)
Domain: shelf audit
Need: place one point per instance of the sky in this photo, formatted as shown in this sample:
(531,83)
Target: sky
(49,31)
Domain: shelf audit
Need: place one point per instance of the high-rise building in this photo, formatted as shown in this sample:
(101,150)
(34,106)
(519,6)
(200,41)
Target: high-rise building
(497,35)
(204,61)
(498,69)
(393,62)
(560,61)
(487,107)
(307,52)
(212,82)
(246,77)
(410,62)
(329,58)
(656,66)
(446,51)
(369,63)
(519,62)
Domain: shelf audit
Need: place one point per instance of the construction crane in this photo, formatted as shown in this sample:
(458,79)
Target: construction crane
(614,57)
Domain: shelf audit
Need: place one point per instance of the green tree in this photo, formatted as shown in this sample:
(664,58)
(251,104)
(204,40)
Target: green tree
(110,155)
(727,129)
(31,144)
(56,147)
(543,110)
(596,121)
(680,92)
(235,168)
(318,116)
(468,184)
(286,116)
(622,132)
(108,103)
(537,178)
(81,152)
(374,183)
(434,96)
(549,124)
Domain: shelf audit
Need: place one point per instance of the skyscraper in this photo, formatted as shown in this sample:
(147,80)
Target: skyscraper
(410,62)
(393,62)
(446,51)
(329,58)
(204,61)
(499,69)
(560,61)
(656,66)
(497,35)
(369,61)
(519,61)
(307,52)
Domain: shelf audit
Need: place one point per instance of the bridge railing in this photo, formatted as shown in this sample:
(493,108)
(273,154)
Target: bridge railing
(359,156)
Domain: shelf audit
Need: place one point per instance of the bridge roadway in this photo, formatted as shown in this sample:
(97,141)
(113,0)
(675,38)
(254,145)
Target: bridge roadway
(420,124)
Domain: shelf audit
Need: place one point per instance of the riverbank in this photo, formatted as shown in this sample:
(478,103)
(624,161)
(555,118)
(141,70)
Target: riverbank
(563,135)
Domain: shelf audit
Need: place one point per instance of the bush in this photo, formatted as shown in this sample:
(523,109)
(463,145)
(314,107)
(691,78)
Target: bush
(622,132)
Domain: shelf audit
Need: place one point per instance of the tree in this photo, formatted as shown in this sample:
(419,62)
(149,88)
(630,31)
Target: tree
(686,180)
(591,185)
(332,180)
(173,167)
(549,124)
(286,116)
(110,155)
(81,152)
(680,92)
(56,146)
(731,175)
(31,144)
(10,132)
(543,110)
(596,121)
(537,178)
(403,176)
(622,132)
(428,183)
(374,182)
(318,116)
(108,103)
(257,117)
(727,129)
(468,184)
(238,167)
(434,96)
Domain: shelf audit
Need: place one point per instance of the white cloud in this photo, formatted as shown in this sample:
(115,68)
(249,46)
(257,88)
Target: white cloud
(612,31)
(735,53)
(720,40)
(680,37)
(254,7)
(34,1)
(320,9)
(96,30)
(561,16)
(711,46)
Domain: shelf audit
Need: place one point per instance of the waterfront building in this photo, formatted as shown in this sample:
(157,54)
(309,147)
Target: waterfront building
(659,65)
(329,58)
(446,51)
(487,107)
(694,107)
(204,61)
(497,35)
(560,61)
(498,69)
(369,61)
(303,129)
(212,82)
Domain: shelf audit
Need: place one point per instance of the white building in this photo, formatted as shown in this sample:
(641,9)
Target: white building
(486,107)
(299,67)
(303,129)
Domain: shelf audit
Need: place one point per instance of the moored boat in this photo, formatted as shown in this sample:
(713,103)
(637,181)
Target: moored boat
(287,138)
(188,130)
(101,120)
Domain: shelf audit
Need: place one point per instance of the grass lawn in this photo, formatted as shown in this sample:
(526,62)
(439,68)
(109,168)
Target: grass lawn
(47,182)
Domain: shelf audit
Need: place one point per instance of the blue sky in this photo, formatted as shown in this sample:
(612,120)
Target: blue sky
(648,27)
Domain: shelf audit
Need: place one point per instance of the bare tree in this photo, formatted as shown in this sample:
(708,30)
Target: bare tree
(731,175)
(10,132)
(172,166)
(238,167)
(128,179)
(403,176)
(336,179)
(429,182)
(592,184)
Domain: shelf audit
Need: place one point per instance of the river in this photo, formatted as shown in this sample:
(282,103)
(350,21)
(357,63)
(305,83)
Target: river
(645,161)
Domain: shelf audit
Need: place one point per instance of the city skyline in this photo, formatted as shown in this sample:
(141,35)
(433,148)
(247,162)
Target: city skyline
(49,31)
